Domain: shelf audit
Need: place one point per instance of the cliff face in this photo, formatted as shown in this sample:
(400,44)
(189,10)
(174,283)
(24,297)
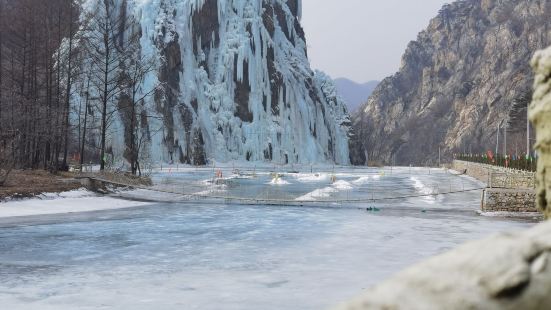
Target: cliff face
(464,75)
(234,84)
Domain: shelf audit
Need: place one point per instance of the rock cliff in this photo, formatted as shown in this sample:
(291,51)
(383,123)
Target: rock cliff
(465,74)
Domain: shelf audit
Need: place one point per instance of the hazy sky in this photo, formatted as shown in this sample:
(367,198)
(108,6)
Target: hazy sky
(363,40)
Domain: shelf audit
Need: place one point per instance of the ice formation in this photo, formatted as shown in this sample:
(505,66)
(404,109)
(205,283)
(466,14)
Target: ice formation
(234,84)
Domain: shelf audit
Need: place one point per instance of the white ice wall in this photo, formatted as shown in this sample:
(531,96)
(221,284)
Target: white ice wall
(309,100)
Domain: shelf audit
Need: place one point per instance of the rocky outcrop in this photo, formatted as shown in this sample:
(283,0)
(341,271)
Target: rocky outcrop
(234,83)
(464,75)
(540,115)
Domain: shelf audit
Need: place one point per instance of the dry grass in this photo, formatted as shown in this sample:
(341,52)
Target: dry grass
(375,163)
(124,178)
(29,183)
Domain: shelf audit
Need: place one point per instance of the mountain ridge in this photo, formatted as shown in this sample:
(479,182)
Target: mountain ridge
(354,93)
(463,76)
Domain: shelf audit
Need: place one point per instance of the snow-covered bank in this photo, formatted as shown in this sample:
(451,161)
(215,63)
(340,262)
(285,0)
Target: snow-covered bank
(62,203)
(503,214)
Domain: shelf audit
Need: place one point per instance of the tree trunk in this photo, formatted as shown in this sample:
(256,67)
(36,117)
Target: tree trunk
(82,147)
(133,156)
(105,92)
(68,90)
(57,146)
(1,60)
(4,175)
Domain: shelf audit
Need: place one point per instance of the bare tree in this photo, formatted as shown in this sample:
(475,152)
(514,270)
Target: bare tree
(104,31)
(69,85)
(85,122)
(137,68)
(2,19)
(46,47)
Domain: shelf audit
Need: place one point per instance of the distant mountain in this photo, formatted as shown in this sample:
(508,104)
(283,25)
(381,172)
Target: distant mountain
(355,94)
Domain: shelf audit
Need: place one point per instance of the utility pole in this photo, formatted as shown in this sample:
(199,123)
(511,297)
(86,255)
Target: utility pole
(505,138)
(497,143)
(439,158)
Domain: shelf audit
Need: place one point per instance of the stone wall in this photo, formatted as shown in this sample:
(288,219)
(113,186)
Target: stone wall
(497,177)
(509,200)
(509,190)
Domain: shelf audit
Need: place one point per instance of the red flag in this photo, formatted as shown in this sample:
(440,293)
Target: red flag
(491,155)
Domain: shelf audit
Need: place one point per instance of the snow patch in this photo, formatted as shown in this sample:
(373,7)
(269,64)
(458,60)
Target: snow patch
(362,181)
(327,191)
(317,194)
(278,181)
(78,193)
(534,215)
(64,203)
(308,177)
(342,185)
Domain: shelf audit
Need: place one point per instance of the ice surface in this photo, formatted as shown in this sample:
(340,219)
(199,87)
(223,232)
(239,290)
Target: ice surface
(191,255)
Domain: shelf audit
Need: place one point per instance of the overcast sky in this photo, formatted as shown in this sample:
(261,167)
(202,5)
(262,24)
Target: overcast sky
(363,40)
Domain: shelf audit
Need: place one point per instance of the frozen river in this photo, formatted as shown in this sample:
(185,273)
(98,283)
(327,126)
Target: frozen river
(192,255)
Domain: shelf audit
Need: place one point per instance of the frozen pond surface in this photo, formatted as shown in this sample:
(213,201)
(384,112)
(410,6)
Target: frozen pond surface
(212,256)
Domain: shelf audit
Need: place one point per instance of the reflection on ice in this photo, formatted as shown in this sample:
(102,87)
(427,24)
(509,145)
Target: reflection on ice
(423,189)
